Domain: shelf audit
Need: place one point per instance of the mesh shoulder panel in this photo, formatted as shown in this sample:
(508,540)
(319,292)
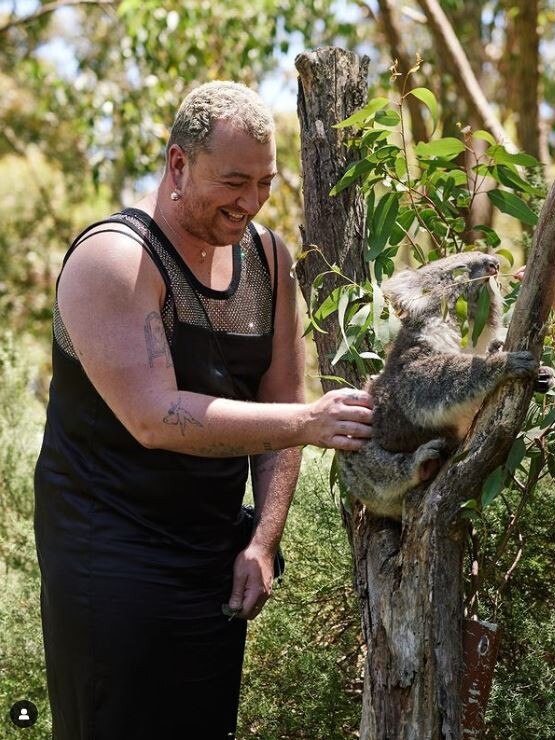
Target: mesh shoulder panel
(245,310)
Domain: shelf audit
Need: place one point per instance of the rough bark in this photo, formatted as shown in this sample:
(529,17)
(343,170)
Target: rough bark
(333,84)
(528,126)
(409,579)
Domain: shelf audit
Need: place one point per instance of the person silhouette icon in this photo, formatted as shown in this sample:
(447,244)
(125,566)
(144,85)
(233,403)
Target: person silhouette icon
(23,713)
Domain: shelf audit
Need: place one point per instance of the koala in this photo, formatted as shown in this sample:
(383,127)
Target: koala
(430,388)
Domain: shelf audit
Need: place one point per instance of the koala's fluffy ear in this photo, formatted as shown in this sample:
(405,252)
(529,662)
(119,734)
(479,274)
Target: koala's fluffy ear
(405,292)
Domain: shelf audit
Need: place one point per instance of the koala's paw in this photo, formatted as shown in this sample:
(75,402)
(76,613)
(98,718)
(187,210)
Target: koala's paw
(545,379)
(495,346)
(521,364)
(429,458)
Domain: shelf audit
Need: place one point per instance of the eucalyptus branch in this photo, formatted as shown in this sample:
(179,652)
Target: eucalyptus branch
(332,270)
(408,183)
(511,570)
(51,8)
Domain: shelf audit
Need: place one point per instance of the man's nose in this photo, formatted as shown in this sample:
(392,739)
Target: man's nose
(249,200)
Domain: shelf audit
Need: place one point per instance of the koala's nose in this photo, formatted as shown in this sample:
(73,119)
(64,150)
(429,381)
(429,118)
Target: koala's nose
(492,266)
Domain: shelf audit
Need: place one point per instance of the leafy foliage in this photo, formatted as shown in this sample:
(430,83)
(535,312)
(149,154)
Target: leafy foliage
(419,205)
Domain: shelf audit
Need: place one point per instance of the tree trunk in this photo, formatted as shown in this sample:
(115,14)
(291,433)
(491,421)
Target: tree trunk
(456,60)
(333,84)
(409,578)
(528,77)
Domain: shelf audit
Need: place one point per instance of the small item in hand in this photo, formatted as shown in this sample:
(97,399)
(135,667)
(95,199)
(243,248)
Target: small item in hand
(229,612)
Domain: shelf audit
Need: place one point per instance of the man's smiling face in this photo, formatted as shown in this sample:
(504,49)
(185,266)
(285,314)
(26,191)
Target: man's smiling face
(225,186)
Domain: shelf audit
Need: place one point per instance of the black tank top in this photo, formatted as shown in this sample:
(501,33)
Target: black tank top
(221,345)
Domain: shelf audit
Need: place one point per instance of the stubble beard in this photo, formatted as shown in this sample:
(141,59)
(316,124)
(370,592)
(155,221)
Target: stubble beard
(188,217)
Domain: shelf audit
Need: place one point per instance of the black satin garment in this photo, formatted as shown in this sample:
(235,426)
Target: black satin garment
(136,549)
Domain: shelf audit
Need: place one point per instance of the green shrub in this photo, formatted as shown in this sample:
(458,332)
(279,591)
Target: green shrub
(302,675)
(22,674)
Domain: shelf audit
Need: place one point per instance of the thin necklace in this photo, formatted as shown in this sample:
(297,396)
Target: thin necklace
(202,253)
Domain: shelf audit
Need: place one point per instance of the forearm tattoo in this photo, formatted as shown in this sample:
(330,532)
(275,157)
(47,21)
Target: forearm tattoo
(156,342)
(178,415)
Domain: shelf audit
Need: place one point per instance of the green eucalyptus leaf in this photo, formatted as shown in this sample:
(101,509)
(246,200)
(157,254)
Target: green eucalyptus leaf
(388,152)
(428,98)
(459,225)
(336,379)
(548,420)
(491,236)
(513,205)
(341,351)
(508,177)
(516,454)
(404,221)
(383,221)
(471,503)
(401,167)
(328,306)
(485,136)
(370,356)
(482,313)
(387,117)
(354,172)
(501,156)
(447,148)
(493,486)
(461,308)
(372,137)
(361,317)
(506,254)
(361,116)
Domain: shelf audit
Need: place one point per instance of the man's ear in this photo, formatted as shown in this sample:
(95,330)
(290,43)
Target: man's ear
(177,162)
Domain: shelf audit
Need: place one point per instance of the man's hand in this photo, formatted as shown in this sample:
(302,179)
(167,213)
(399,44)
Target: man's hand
(341,419)
(253,574)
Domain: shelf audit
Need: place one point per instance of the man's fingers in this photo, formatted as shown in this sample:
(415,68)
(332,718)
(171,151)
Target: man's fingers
(355,429)
(358,414)
(237,593)
(254,602)
(358,398)
(347,444)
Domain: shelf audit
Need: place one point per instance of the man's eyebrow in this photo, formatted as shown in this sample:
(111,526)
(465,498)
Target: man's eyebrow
(245,176)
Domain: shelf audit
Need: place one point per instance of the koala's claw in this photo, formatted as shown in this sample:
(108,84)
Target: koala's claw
(432,450)
(429,459)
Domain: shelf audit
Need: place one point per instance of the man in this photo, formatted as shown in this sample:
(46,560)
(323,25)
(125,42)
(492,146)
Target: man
(177,356)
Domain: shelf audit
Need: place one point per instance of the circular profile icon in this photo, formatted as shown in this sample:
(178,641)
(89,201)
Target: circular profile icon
(24,713)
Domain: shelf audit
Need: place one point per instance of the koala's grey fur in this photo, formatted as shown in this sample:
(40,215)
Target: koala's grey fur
(430,388)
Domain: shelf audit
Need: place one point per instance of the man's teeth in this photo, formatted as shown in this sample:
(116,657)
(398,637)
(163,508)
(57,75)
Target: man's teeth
(235,216)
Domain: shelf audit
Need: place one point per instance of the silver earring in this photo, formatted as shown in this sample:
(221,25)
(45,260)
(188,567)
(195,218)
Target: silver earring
(175,195)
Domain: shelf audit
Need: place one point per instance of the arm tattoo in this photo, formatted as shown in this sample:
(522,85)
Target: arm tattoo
(156,342)
(178,415)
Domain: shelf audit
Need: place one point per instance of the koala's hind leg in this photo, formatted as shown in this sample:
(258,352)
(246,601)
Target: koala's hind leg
(380,478)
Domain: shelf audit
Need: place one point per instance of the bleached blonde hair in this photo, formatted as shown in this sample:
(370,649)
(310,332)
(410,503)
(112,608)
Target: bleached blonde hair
(219,101)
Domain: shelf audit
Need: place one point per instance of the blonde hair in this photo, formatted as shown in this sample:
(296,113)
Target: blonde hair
(219,101)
